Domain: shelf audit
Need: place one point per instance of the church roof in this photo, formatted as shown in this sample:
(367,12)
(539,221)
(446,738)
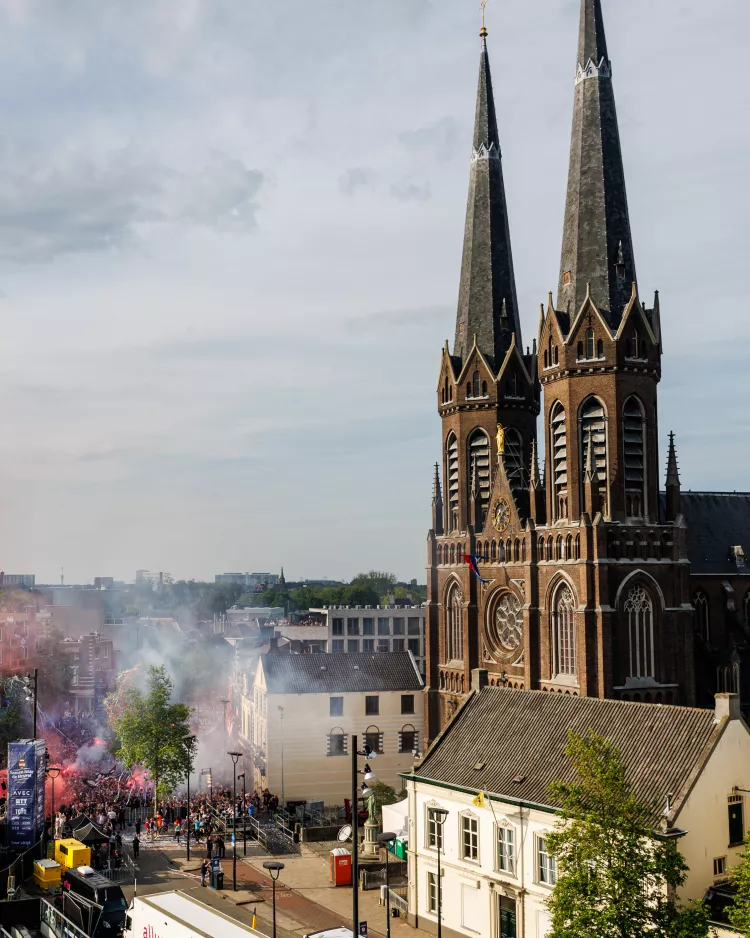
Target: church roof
(341,673)
(597,243)
(512,743)
(487,301)
(716,523)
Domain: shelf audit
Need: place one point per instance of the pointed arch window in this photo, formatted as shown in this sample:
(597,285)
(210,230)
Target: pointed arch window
(454,623)
(513,459)
(702,621)
(639,612)
(479,463)
(599,349)
(452,477)
(634,451)
(589,343)
(593,426)
(559,449)
(563,632)
(475,385)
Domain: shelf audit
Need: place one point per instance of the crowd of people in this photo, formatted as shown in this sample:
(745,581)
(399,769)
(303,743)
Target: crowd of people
(138,819)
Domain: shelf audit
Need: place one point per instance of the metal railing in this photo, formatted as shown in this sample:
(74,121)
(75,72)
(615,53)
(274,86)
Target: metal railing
(57,925)
(396,900)
(256,832)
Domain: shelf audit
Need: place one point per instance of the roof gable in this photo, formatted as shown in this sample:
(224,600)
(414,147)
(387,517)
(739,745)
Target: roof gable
(522,735)
(340,673)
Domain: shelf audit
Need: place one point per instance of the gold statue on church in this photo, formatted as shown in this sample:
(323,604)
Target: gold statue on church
(500,440)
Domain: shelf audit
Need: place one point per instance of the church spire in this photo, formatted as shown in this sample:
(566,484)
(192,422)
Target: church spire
(437,503)
(672,491)
(597,243)
(488,285)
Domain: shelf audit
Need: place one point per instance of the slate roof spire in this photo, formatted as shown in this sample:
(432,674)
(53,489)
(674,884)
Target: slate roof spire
(487,279)
(597,242)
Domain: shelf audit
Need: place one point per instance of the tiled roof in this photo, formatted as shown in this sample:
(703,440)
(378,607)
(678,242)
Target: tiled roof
(340,673)
(522,735)
(717,521)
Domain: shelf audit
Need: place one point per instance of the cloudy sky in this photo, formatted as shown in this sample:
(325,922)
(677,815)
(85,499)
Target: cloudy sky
(230,238)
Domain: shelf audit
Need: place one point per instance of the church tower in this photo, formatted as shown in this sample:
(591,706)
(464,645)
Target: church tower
(582,585)
(487,392)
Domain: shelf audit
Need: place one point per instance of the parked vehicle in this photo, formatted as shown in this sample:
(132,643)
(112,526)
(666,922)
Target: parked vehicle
(177,915)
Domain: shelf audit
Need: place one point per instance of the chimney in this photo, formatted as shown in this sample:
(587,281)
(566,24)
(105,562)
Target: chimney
(728,707)
(480,678)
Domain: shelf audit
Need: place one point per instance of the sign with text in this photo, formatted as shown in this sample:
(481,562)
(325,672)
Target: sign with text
(26,765)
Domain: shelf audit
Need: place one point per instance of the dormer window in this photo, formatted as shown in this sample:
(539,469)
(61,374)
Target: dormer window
(476,385)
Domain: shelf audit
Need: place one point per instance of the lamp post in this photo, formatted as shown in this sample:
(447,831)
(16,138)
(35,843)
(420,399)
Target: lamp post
(189,742)
(273,866)
(236,756)
(244,814)
(281,718)
(369,755)
(387,838)
(53,772)
(440,814)
(31,683)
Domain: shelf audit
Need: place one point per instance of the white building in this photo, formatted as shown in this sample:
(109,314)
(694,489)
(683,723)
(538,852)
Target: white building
(253,581)
(305,709)
(510,745)
(355,629)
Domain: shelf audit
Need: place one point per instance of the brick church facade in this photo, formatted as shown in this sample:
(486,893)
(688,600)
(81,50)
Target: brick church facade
(592,581)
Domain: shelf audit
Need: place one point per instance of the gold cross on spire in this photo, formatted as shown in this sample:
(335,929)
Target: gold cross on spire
(482,5)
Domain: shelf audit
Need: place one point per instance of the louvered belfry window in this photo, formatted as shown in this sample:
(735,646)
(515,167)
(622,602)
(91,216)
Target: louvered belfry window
(452,474)
(559,446)
(479,460)
(594,426)
(634,447)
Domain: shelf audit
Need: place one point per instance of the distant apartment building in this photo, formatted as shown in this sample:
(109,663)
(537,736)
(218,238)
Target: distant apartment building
(251,581)
(25,581)
(355,629)
(93,671)
(142,577)
(18,638)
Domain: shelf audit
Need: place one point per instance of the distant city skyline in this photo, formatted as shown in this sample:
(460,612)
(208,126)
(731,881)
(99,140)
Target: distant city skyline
(230,241)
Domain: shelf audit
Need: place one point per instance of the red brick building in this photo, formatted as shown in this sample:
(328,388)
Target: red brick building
(592,581)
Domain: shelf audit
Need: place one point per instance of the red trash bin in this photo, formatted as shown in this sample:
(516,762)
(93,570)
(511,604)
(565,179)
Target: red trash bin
(340,871)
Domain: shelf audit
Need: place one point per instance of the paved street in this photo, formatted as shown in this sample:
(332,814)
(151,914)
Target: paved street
(305,899)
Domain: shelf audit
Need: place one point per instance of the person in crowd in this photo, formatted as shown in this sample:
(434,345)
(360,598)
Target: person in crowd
(205,865)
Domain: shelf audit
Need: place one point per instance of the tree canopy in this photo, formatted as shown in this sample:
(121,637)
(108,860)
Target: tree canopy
(616,876)
(739,912)
(152,732)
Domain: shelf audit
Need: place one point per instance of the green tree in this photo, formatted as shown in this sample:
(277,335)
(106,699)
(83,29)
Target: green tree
(376,581)
(739,911)
(384,795)
(151,730)
(616,877)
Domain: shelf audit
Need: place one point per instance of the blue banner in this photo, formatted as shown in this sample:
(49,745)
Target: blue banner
(26,764)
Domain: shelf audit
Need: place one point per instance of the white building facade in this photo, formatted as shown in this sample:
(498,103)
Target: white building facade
(497,873)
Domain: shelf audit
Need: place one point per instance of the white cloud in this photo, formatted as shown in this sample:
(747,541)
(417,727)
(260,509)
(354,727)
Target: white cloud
(65,202)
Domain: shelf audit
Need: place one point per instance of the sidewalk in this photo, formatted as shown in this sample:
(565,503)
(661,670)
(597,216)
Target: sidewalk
(307,876)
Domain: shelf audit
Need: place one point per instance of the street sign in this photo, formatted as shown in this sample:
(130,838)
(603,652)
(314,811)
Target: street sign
(363,930)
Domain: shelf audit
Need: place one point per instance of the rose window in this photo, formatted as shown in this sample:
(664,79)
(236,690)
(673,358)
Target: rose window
(506,626)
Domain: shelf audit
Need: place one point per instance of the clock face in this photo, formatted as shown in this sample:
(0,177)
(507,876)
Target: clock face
(501,515)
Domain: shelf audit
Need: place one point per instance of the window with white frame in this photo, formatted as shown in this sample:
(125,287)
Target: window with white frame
(506,856)
(432,893)
(469,837)
(639,610)
(434,830)
(546,867)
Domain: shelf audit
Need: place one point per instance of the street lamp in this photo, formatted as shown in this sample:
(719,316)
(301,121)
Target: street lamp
(31,683)
(281,717)
(244,814)
(439,814)
(369,777)
(189,741)
(273,866)
(53,772)
(387,838)
(236,756)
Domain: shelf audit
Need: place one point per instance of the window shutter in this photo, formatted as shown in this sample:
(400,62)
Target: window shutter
(328,744)
(380,743)
(400,741)
(736,821)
